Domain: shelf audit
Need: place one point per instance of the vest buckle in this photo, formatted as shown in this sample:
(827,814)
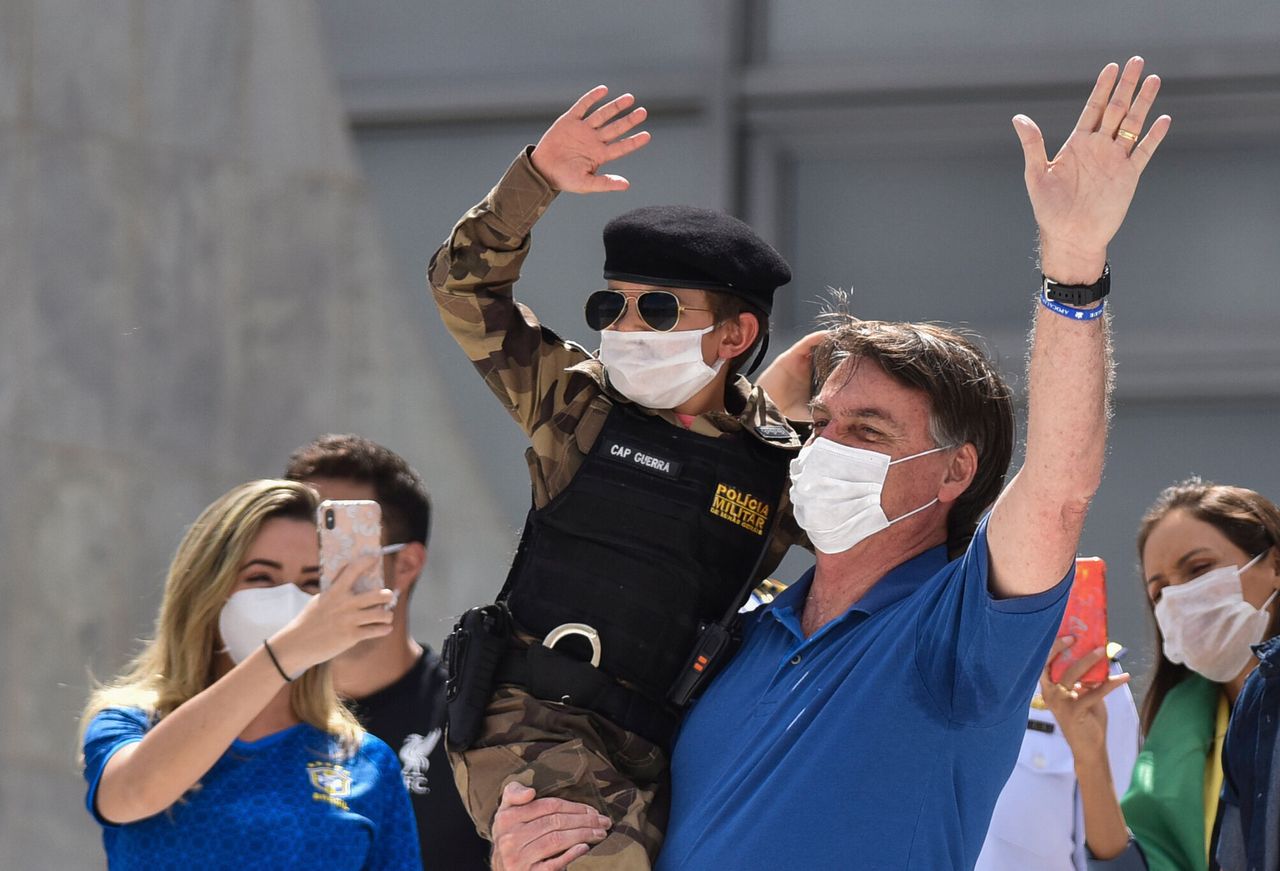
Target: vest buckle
(564,630)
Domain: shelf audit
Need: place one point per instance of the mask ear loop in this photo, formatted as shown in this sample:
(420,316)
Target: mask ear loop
(1250,564)
(922,454)
(759,358)
(764,346)
(1253,562)
(928,504)
(1269,600)
(388,550)
(935,500)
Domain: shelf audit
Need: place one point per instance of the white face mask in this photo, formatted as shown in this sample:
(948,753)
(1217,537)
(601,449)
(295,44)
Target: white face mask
(835,491)
(657,370)
(1207,624)
(254,615)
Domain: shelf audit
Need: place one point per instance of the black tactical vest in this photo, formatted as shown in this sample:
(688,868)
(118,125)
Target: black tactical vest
(655,534)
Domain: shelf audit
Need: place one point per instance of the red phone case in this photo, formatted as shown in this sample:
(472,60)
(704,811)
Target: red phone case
(1086,621)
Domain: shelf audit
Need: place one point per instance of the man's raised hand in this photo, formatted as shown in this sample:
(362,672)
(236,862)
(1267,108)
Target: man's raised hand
(1080,197)
(582,140)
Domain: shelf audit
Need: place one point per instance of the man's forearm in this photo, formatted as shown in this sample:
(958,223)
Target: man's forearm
(1068,410)
(1068,383)
(1069,388)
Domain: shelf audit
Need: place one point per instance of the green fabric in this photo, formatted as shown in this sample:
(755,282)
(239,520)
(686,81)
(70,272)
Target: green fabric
(1164,806)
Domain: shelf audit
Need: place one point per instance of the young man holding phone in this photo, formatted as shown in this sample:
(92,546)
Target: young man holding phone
(397,683)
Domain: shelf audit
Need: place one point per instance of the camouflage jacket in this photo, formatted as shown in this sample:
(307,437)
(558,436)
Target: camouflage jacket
(556,391)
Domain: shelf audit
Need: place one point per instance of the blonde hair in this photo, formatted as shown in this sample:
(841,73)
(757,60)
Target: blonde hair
(179,661)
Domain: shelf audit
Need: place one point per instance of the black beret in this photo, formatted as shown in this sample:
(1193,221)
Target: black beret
(684,246)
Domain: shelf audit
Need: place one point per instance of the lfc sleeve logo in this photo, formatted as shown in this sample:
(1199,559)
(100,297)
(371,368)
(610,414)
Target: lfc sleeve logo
(414,760)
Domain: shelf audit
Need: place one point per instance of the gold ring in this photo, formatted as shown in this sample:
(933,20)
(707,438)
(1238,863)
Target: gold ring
(1125,134)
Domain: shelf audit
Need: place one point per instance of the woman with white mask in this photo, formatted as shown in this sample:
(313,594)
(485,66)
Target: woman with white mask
(224,744)
(1211,566)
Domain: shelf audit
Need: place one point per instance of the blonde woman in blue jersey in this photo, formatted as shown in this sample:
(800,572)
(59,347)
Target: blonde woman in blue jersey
(224,744)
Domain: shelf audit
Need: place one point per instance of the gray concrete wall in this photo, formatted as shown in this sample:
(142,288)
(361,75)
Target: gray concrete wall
(194,282)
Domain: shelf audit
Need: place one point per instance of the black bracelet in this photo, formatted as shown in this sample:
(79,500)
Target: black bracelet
(271,653)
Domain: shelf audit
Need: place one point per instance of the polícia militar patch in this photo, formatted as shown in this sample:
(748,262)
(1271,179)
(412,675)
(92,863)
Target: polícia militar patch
(741,508)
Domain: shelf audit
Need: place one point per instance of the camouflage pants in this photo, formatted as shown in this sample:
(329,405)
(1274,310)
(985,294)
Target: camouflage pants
(573,754)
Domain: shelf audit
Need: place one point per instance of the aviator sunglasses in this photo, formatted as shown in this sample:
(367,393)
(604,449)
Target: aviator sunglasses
(659,309)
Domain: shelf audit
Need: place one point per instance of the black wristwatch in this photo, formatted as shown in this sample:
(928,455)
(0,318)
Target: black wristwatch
(1078,294)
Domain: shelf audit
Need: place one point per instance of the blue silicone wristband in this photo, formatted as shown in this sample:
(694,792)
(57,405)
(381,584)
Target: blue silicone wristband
(1075,314)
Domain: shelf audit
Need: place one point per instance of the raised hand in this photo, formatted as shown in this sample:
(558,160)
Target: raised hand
(582,140)
(1080,197)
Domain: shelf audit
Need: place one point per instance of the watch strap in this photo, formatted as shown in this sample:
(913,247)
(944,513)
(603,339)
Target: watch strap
(1078,294)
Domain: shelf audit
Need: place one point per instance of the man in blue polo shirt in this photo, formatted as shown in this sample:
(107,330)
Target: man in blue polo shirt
(876,707)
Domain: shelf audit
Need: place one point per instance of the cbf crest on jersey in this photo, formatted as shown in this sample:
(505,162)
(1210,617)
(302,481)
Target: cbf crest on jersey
(332,783)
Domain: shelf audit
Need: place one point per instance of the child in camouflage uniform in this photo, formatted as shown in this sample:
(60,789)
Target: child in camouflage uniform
(658,475)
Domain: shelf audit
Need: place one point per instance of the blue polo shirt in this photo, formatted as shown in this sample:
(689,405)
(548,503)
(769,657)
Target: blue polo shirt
(882,742)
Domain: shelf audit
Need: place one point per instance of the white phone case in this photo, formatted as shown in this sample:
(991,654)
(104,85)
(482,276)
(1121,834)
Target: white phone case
(349,528)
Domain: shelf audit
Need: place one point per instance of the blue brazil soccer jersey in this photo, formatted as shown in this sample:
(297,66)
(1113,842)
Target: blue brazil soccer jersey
(880,742)
(288,800)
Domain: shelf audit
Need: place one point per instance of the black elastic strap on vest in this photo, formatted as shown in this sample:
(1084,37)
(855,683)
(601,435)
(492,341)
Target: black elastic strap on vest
(514,571)
(552,676)
(745,592)
(715,642)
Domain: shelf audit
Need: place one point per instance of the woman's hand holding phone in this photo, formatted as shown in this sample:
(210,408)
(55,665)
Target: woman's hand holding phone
(1079,710)
(349,530)
(335,620)
(1081,713)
